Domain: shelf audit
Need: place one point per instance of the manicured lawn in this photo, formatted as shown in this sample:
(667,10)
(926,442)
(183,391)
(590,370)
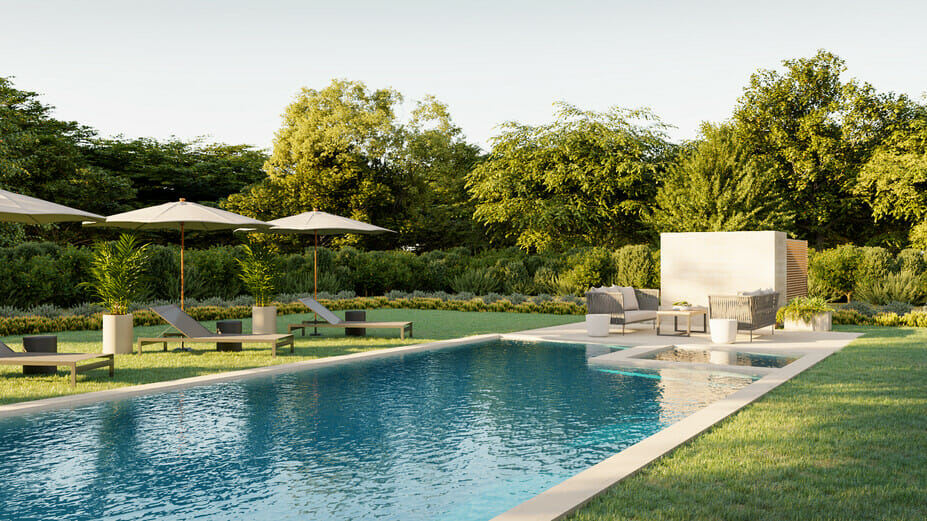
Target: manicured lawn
(156,365)
(845,440)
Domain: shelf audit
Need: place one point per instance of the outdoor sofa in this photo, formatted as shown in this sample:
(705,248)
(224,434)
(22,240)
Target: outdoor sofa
(752,310)
(70,360)
(192,332)
(625,305)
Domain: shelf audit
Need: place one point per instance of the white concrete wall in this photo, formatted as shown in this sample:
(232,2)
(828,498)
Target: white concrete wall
(694,265)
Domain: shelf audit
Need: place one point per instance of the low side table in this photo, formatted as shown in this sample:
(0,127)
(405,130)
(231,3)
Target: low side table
(40,344)
(228,327)
(689,314)
(355,316)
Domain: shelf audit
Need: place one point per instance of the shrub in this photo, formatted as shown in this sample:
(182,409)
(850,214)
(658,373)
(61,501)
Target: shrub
(802,308)
(474,281)
(592,267)
(833,273)
(116,272)
(259,274)
(635,266)
(904,286)
(860,307)
(899,308)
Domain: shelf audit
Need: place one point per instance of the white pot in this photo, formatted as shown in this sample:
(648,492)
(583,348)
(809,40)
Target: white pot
(819,322)
(117,334)
(723,330)
(597,324)
(264,320)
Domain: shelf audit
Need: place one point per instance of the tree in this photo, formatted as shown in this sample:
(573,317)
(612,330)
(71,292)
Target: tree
(894,180)
(164,171)
(583,179)
(343,150)
(817,131)
(717,185)
(43,157)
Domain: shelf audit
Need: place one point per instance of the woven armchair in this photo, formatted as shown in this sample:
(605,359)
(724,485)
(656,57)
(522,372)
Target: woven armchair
(751,312)
(603,301)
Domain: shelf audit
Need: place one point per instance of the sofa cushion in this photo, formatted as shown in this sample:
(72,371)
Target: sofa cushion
(639,315)
(630,299)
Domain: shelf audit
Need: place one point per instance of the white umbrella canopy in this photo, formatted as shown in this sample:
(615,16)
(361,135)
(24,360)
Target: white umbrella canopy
(181,215)
(20,208)
(320,223)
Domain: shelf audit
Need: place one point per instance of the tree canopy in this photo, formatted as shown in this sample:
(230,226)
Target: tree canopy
(586,178)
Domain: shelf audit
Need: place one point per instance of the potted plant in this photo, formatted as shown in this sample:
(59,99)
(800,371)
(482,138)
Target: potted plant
(807,314)
(259,275)
(116,273)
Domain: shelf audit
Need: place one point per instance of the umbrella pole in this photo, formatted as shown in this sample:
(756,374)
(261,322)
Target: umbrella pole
(315,282)
(181,266)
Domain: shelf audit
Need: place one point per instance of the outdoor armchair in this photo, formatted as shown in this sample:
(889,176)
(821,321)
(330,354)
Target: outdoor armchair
(751,312)
(617,303)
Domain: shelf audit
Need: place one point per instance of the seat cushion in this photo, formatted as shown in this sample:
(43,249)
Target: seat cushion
(639,315)
(630,299)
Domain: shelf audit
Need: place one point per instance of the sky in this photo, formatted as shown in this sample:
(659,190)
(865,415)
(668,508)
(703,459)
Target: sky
(227,69)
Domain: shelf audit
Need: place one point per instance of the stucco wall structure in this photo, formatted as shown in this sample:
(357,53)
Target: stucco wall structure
(694,265)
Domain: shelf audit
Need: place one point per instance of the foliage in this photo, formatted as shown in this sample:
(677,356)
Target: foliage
(860,307)
(637,266)
(584,179)
(902,286)
(164,171)
(591,267)
(803,308)
(719,185)
(116,272)
(259,273)
(817,131)
(834,272)
(474,281)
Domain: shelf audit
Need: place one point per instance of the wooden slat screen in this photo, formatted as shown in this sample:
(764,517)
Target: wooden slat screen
(796,268)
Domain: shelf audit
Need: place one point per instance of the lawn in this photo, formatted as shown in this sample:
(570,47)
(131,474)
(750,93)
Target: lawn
(847,439)
(157,366)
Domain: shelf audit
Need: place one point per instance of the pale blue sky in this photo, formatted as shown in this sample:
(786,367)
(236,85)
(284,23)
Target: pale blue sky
(226,69)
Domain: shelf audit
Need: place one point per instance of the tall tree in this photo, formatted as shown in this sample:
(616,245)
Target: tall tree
(818,131)
(717,185)
(343,150)
(894,180)
(583,179)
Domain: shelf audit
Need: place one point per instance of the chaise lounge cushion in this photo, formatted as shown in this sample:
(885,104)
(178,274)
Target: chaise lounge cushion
(639,315)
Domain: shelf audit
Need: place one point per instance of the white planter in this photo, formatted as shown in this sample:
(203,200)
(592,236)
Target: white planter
(117,334)
(264,320)
(723,330)
(597,324)
(819,322)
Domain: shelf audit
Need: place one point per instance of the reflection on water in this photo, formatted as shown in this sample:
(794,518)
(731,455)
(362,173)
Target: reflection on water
(456,434)
(705,356)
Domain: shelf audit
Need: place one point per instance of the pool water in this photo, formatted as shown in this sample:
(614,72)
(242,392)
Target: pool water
(454,434)
(703,356)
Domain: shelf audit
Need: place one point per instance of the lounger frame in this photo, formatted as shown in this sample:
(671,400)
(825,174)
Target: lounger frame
(70,360)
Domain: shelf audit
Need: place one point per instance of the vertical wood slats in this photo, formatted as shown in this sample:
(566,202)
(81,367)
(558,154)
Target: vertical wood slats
(796,269)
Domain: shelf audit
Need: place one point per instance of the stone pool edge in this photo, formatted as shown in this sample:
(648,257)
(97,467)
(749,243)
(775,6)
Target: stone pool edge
(568,496)
(122,393)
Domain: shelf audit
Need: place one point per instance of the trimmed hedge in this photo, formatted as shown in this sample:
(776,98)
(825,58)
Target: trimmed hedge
(37,324)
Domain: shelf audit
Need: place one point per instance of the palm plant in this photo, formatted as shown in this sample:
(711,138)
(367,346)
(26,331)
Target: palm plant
(259,274)
(116,272)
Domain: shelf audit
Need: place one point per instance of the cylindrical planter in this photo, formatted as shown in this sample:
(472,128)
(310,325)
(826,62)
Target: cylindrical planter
(264,320)
(723,330)
(597,324)
(117,334)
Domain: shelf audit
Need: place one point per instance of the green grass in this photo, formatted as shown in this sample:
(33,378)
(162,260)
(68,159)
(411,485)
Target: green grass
(847,439)
(157,366)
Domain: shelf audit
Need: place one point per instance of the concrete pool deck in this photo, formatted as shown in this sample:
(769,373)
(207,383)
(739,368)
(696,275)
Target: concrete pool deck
(571,494)
(566,497)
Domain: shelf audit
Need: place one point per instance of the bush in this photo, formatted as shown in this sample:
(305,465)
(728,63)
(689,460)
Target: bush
(592,267)
(833,273)
(904,286)
(899,308)
(636,266)
(474,281)
(860,307)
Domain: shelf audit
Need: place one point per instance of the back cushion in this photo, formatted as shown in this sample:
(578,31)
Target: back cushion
(630,299)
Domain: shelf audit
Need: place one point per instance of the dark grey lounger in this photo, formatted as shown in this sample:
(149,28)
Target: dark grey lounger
(10,357)
(332,320)
(193,332)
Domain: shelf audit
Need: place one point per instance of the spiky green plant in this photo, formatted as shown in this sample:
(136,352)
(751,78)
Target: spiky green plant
(116,272)
(259,274)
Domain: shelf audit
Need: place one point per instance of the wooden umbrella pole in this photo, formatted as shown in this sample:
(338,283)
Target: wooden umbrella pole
(315,281)
(181,265)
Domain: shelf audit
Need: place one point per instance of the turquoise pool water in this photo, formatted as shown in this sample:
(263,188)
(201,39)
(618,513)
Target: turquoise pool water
(455,434)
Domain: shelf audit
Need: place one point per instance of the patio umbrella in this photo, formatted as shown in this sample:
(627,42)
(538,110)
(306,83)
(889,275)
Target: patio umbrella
(181,215)
(20,208)
(320,223)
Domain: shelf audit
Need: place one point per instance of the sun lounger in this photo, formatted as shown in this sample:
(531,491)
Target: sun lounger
(10,357)
(192,332)
(332,320)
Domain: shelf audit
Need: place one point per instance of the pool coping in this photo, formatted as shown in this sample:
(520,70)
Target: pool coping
(570,495)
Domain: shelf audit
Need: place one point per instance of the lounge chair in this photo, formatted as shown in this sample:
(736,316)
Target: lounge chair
(10,357)
(192,332)
(751,310)
(332,320)
(622,308)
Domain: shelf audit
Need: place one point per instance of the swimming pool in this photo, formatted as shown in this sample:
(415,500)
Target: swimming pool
(460,433)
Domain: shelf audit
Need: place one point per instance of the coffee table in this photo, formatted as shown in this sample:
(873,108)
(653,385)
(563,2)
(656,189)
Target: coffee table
(689,313)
